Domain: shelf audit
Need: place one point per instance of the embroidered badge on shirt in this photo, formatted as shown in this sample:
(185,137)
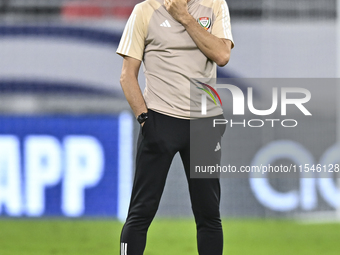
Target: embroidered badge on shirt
(205,22)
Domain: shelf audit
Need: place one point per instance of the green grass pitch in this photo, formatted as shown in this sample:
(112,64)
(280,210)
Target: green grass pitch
(166,237)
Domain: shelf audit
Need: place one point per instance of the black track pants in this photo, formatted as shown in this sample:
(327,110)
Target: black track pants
(159,140)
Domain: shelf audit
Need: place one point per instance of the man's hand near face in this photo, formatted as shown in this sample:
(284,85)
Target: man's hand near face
(214,48)
(178,9)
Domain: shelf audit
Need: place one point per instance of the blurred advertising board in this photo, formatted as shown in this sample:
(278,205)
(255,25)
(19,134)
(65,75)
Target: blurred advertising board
(65,165)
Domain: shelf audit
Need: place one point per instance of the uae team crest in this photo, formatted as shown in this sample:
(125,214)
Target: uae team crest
(205,22)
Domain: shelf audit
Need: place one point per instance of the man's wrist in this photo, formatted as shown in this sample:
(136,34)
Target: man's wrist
(186,19)
(142,117)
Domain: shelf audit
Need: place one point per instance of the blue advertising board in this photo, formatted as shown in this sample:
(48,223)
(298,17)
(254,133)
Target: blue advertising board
(65,165)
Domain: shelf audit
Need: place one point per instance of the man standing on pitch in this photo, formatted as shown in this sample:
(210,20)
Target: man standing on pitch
(176,40)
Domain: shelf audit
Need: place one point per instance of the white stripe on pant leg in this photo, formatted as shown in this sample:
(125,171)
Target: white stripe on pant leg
(123,248)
